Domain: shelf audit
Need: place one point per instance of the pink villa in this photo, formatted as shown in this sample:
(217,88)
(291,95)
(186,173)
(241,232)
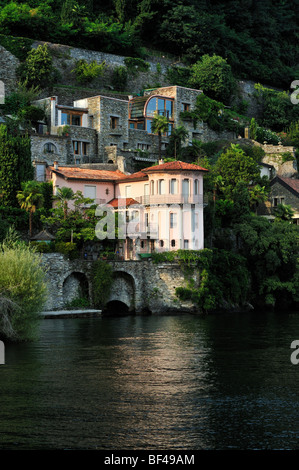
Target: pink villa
(161,206)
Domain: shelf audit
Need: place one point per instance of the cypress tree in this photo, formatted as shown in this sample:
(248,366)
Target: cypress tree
(15,165)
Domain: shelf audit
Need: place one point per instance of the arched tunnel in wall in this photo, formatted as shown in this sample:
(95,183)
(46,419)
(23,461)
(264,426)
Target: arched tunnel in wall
(121,300)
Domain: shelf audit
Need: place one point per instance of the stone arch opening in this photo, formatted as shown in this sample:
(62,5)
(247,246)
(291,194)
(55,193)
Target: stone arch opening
(122,293)
(116,308)
(75,286)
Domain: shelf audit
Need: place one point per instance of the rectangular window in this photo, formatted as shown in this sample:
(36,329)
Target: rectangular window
(80,148)
(185,107)
(76,119)
(40,172)
(185,187)
(152,187)
(65,119)
(169,108)
(128,191)
(149,126)
(90,191)
(71,119)
(84,148)
(76,146)
(173,220)
(186,244)
(114,122)
(173,186)
(161,186)
(161,109)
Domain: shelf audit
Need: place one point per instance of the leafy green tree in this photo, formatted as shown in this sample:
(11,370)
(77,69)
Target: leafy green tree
(235,166)
(271,250)
(38,70)
(30,198)
(213,75)
(222,278)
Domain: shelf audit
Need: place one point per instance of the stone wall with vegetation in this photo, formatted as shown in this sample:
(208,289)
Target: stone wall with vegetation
(152,285)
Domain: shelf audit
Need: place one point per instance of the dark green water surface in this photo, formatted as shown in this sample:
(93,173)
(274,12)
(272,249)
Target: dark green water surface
(181,382)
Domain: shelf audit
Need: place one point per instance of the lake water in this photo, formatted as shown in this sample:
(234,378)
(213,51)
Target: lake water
(142,383)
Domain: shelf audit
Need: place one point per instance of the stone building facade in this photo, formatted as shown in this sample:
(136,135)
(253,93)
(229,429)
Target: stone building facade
(283,191)
(98,122)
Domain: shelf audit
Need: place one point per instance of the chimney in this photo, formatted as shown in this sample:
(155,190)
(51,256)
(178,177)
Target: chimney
(55,165)
(161,161)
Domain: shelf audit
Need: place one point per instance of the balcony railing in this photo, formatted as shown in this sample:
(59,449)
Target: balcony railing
(141,230)
(172,199)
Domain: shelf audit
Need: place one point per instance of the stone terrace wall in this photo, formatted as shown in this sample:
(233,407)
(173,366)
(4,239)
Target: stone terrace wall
(65,57)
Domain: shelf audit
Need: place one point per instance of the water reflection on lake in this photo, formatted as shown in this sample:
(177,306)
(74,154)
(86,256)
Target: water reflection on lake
(181,382)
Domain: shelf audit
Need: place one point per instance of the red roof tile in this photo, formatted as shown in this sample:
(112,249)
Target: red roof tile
(122,202)
(139,175)
(291,182)
(87,174)
(174,166)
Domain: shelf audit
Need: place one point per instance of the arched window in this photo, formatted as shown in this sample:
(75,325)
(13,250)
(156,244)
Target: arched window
(49,148)
(152,187)
(196,187)
(161,187)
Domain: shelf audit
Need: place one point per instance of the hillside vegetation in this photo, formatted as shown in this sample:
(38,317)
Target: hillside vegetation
(258,38)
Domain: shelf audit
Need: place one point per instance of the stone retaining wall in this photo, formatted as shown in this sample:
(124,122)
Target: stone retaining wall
(145,286)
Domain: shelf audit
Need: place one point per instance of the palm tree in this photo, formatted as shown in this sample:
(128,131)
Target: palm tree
(30,198)
(257,194)
(64,195)
(160,125)
(283,212)
(178,135)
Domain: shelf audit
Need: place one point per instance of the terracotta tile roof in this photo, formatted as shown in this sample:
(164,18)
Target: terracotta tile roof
(122,201)
(174,166)
(292,183)
(75,173)
(139,175)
